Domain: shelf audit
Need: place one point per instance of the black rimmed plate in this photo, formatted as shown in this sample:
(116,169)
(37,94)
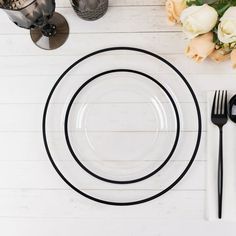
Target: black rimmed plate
(112,123)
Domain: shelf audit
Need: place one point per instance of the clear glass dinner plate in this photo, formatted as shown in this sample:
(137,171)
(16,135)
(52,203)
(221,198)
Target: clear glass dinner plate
(121,126)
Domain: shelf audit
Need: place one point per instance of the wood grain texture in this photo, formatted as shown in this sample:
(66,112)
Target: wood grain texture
(130,226)
(121,19)
(33,199)
(62,3)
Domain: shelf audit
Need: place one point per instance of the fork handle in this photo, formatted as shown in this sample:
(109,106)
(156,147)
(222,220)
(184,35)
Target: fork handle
(220,173)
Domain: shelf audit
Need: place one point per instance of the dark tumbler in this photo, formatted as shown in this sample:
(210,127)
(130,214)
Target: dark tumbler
(90,9)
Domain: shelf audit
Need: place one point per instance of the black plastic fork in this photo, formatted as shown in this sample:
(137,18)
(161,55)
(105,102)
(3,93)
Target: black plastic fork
(219,118)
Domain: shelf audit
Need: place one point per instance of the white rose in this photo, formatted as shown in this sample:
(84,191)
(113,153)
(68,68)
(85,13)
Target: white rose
(198,20)
(227,26)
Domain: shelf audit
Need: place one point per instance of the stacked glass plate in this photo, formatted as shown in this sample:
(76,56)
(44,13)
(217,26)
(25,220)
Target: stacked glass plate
(122,126)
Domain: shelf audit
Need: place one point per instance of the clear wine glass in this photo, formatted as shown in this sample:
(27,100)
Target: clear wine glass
(48,29)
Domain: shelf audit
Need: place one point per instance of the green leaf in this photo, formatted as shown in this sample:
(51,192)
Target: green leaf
(195,2)
(220,5)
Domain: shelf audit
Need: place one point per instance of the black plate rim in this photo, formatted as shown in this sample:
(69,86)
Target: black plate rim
(155,195)
(113,181)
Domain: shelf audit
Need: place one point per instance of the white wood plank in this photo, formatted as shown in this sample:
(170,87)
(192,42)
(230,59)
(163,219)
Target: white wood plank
(28,146)
(126,88)
(77,43)
(130,226)
(62,3)
(55,65)
(41,175)
(67,204)
(35,89)
(125,19)
(29,118)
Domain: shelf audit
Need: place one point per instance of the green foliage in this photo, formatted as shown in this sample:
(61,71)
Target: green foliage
(220,5)
(195,2)
(201,2)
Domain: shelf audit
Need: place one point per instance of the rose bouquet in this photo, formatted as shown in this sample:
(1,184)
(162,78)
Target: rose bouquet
(210,26)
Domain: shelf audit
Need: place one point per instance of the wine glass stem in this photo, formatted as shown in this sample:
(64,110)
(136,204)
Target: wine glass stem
(49,30)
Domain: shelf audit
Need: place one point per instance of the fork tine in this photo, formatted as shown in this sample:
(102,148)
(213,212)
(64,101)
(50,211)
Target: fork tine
(218,102)
(213,105)
(221,103)
(226,104)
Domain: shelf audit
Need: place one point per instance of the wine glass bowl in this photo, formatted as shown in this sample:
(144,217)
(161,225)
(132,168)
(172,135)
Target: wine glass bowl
(48,29)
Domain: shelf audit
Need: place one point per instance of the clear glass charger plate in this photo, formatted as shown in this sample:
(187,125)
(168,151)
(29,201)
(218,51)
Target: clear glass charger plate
(121,126)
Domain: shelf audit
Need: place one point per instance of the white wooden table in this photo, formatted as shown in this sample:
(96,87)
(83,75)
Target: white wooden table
(33,199)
